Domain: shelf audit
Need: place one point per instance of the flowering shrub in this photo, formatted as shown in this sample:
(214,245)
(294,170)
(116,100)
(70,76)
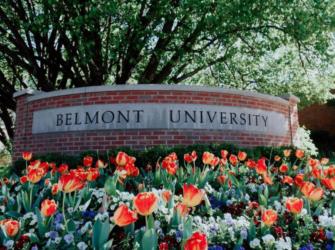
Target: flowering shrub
(228,202)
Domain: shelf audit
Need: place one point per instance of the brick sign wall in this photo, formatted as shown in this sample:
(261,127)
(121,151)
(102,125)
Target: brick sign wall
(139,116)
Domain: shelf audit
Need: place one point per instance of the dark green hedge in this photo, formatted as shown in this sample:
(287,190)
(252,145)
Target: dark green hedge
(150,156)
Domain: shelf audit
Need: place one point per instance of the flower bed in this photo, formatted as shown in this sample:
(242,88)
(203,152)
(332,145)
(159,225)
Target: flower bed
(227,202)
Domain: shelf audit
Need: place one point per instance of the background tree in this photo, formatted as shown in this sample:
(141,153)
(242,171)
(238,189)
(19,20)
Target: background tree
(57,44)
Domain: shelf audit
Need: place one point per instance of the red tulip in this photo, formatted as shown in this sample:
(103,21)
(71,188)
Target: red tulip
(23,179)
(10,227)
(294,205)
(87,161)
(35,174)
(197,241)
(164,246)
(261,167)
(27,155)
(121,158)
(145,203)
(233,159)
(54,189)
(48,208)
(93,174)
(70,182)
(283,168)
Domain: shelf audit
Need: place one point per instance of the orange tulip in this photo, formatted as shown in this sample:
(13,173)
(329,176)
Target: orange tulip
(192,195)
(287,180)
(207,158)
(100,164)
(294,205)
(215,161)
(10,227)
(35,174)
(313,162)
(316,173)
(172,168)
(329,183)
(121,158)
(316,194)
(299,153)
(27,155)
(123,216)
(287,152)
(267,179)
(197,241)
(242,155)
(269,217)
(299,180)
(182,209)
(145,203)
(324,161)
(48,208)
(70,182)
(221,179)
(277,158)
(311,192)
(93,174)
(166,195)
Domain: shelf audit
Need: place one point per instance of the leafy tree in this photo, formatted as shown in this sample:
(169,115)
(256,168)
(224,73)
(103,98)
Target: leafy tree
(57,44)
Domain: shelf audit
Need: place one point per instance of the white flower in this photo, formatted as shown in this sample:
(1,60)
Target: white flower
(326,221)
(81,245)
(58,240)
(277,206)
(268,239)
(255,243)
(303,212)
(284,244)
(197,220)
(9,244)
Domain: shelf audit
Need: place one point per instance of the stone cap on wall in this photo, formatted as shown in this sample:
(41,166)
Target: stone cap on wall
(37,95)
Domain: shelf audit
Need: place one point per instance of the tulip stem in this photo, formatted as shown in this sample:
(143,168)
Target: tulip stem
(31,195)
(63,207)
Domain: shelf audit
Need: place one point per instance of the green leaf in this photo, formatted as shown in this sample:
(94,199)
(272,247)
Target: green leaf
(101,232)
(150,240)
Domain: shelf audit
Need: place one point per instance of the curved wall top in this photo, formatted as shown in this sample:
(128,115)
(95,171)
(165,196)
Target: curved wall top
(139,116)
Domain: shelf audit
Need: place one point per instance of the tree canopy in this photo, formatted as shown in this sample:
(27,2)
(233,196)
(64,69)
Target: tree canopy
(269,46)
